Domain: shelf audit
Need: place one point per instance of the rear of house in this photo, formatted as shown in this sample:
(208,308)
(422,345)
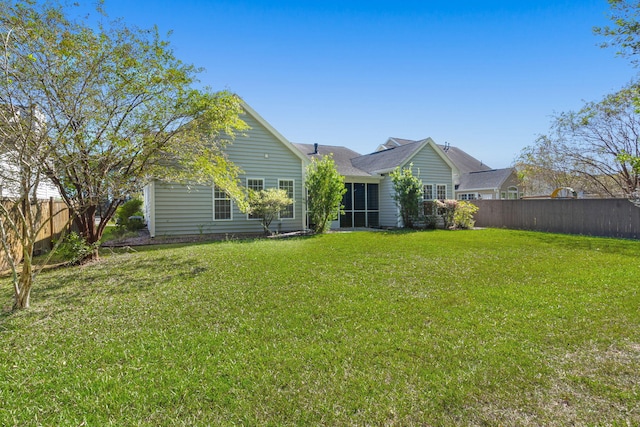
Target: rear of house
(267,160)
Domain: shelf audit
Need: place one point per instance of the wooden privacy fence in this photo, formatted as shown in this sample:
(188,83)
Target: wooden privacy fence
(55,220)
(594,217)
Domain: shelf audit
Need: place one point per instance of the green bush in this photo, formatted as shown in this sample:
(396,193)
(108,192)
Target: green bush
(74,248)
(463,216)
(129,216)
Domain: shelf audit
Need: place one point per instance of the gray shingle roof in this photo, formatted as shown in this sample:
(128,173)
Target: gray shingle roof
(387,159)
(492,178)
(341,156)
(463,161)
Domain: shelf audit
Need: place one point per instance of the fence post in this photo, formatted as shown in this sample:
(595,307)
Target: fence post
(51,214)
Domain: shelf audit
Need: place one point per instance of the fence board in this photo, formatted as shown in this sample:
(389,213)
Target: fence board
(594,217)
(55,220)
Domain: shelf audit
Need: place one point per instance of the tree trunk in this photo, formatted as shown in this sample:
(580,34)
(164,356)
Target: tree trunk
(23,288)
(92,234)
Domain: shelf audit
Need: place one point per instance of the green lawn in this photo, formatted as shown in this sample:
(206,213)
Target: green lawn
(485,327)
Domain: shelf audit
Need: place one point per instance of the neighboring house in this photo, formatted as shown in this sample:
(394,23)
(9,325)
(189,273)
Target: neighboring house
(479,181)
(9,189)
(9,178)
(269,160)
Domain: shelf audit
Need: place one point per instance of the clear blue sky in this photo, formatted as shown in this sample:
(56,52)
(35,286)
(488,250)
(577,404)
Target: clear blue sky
(485,76)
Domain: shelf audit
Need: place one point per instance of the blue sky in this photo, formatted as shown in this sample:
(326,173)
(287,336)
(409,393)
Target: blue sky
(485,76)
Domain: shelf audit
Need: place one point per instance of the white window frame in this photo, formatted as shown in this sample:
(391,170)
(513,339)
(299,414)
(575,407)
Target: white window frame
(292,196)
(438,187)
(220,199)
(249,216)
(513,190)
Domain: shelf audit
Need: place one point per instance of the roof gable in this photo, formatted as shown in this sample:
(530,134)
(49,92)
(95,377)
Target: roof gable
(463,161)
(388,159)
(487,179)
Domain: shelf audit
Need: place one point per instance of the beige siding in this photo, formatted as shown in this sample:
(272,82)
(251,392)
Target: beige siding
(259,154)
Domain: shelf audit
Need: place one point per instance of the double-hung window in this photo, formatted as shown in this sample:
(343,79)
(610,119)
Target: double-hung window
(255,184)
(221,205)
(427,192)
(441,191)
(288,186)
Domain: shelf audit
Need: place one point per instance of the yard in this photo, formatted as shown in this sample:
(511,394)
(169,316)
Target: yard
(486,327)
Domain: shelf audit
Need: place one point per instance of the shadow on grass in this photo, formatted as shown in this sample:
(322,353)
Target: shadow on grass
(607,245)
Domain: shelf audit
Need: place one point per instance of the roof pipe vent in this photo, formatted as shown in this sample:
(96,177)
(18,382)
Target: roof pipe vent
(315,148)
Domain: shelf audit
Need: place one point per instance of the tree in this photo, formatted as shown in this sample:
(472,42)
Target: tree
(587,145)
(267,205)
(20,215)
(542,168)
(407,194)
(625,33)
(325,188)
(118,107)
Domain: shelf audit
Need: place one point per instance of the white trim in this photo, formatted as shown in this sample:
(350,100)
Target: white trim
(445,191)
(150,198)
(213,212)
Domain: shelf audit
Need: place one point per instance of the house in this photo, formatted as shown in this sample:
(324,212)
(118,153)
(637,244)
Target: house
(477,180)
(369,201)
(31,119)
(474,179)
(269,160)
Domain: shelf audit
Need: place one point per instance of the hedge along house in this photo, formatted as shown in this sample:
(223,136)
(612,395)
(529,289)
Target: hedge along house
(369,200)
(267,159)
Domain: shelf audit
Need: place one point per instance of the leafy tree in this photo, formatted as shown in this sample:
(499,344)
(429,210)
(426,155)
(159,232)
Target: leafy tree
(542,168)
(118,107)
(21,216)
(625,32)
(325,188)
(587,145)
(267,204)
(407,194)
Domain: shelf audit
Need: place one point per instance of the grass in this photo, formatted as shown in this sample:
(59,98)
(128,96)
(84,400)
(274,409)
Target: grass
(487,327)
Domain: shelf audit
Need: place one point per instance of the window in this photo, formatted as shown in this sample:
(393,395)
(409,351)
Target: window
(255,184)
(221,205)
(288,186)
(441,191)
(512,192)
(427,192)
(467,196)
(361,205)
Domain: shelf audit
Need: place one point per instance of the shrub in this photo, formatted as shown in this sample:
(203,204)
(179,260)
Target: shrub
(463,216)
(407,194)
(267,204)
(447,209)
(325,188)
(74,248)
(129,216)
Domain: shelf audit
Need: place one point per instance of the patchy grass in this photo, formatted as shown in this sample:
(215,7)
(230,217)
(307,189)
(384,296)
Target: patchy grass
(488,327)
